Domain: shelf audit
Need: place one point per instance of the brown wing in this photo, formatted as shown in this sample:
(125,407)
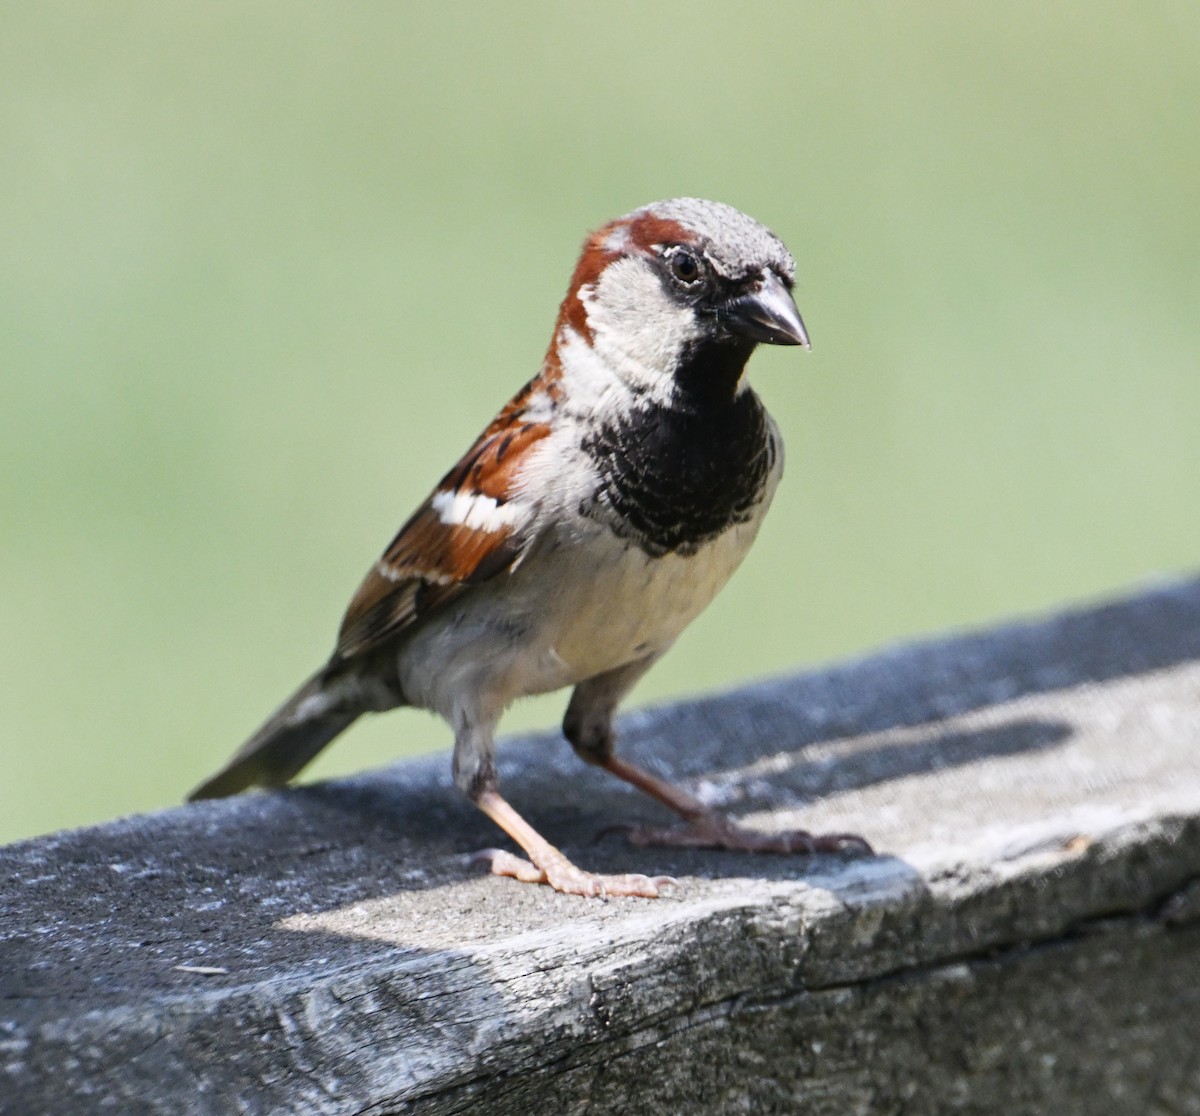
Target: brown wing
(473,527)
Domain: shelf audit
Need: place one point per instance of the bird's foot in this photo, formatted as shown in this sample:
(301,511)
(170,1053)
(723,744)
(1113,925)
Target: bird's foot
(566,878)
(712,830)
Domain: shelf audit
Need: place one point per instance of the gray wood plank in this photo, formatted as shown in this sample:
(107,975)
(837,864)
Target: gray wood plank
(1027,939)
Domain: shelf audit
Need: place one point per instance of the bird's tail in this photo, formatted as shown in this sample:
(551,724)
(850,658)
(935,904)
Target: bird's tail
(299,729)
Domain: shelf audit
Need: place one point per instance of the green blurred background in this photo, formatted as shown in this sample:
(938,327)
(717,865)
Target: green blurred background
(267,268)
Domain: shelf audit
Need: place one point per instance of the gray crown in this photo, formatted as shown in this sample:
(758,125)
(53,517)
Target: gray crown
(735,244)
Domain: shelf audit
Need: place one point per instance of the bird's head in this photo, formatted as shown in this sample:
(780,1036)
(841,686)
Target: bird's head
(674,297)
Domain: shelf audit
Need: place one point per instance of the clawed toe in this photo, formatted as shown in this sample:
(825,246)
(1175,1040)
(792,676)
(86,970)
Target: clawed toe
(504,863)
(567,879)
(714,831)
(842,842)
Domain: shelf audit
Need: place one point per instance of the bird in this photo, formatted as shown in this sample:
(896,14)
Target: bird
(594,518)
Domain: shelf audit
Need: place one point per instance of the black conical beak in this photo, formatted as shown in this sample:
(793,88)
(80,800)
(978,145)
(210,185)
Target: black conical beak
(768,314)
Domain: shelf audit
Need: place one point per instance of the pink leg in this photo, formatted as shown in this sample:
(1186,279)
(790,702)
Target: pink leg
(548,865)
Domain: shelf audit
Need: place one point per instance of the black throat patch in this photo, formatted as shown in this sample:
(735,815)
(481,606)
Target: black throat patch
(674,477)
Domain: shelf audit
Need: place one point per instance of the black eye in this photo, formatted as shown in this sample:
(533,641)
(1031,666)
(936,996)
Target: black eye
(684,266)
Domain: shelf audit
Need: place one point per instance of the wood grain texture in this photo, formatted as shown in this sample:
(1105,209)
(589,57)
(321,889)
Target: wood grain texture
(1026,941)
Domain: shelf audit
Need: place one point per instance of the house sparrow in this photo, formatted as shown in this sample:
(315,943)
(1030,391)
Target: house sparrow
(589,524)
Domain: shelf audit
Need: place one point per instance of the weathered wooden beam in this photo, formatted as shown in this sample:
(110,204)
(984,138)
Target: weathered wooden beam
(1026,940)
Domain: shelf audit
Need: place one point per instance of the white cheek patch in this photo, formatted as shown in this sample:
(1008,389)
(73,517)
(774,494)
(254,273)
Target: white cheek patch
(475,511)
(637,328)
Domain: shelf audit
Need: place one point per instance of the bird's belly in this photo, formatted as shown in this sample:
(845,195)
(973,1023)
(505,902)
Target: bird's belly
(569,612)
(613,603)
